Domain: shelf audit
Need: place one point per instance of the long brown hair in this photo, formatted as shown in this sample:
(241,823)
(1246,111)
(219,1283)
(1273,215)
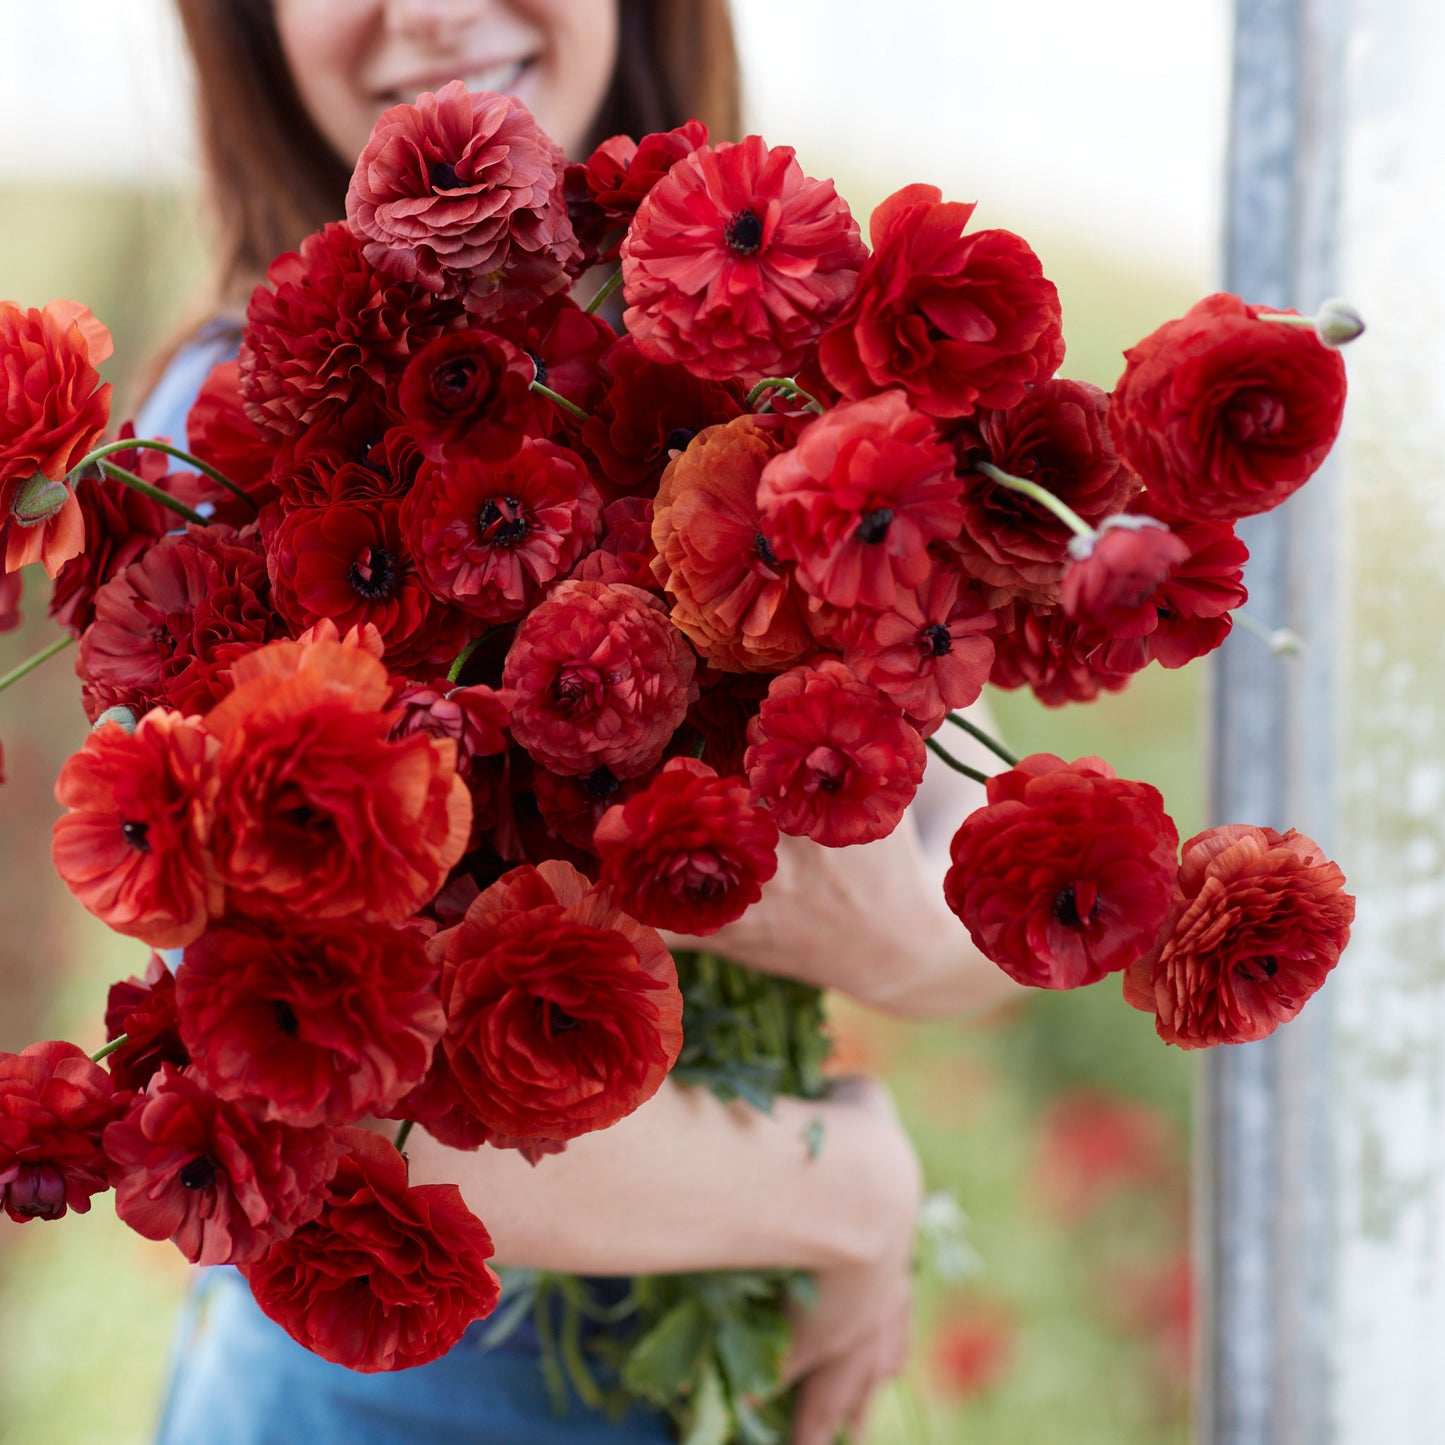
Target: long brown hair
(273,179)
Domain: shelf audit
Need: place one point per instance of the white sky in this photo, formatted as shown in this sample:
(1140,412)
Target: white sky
(1105,118)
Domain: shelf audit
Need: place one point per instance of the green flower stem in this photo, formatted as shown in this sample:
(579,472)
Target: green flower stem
(403,1133)
(992,744)
(464,657)
(1045,498)
(144,444)
(110,1048)
(788,386)
(958,767)
(31,663)
(600,299)
(561,401)
(129,479)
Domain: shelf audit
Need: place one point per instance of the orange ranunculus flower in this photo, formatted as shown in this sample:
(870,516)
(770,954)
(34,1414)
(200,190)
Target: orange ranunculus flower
(317,810)
(53,409)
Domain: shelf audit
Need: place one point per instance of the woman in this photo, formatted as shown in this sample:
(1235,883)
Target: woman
(288,93)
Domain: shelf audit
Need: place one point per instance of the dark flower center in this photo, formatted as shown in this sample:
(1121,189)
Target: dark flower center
(600,785)
(559,1021)
(678,438)
(136,835)
(443,177)
(503,522)
(1066,908)
(539,368)
(764,549)
(455,378)
(873,526)
(744,233)
(372,456)
(936,640)
(162,640)
(200,1173)
(286,1019)
(1258,969)
(1254,414)
(375,574)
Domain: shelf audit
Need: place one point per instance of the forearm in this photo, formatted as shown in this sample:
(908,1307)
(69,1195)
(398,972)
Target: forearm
(687,1183)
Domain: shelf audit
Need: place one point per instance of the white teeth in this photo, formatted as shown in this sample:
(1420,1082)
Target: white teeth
(496,77)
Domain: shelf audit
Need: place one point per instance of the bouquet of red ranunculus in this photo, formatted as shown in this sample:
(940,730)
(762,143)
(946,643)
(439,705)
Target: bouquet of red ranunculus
(491,641)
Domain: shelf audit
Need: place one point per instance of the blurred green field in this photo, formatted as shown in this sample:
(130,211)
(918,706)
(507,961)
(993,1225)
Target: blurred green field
(1062,1125)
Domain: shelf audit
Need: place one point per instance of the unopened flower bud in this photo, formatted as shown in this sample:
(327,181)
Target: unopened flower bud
(36,1191)
(38,500)
(118,714)
(1337,323)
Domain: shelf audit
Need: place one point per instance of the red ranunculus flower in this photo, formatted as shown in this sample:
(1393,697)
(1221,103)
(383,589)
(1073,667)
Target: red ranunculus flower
(857,501)
(310,1025)
(464,191)
(317,813)
(144,1010)
(168,628)
(475,718)
(53,409)
(931,652)
(625,550)
(132,848)
(1066,873)
(832,757)
(490,536)
(647,413)
(1114,581)
(738,604)
(1259,919)
(1057,436)
(1225,414)
(602,679)
(389,1276)
(957,321)
(201,1172)
(1039,648)
(565,346)
(563,1013)
(736,261)
(617,176)
(366,456)
(691,852)
(572,807)
(330,329)
(54,1105)
(469,392)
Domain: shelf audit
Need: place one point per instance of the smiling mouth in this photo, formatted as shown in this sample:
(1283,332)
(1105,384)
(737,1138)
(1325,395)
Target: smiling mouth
(503,79)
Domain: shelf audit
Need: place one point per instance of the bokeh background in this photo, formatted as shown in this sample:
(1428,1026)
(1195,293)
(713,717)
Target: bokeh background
(1060,1124)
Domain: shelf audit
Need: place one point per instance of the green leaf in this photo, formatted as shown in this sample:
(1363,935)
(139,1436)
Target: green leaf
(663,1362)
(751,1347)
(712,1420)
(754,1430)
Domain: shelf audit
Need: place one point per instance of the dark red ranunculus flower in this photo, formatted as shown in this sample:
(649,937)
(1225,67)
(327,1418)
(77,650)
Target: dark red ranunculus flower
(1225,414)
(469,392)
(957,321)
(1113,582)
(144,1010)
(328,330)
(490,536)
(1259,919)
(1066,873)
(310,1025)
(690,852)
(169,627)
(1058,437)
(624,550)
(736,601)
(832,757)
(931,652)
(1039,648)
(572,807)
(565,345)
(602,679)
(648,411)
(464,192)
(54,1106)
(367,456)
(316,811)
(132,848)
(352,563)
(857,501)
(563,1013)
(388,1276)
(222,434)
(736,261)
(201,1172)
(717,723)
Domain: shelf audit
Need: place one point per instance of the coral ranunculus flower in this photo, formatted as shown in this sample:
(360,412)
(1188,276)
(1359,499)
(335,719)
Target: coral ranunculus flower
(691,852)
(316,812)
(464,191)
(1259,920)
(957,321)
(738,604)
(132,848)
(563,1013)
(203,1173)
(389,1276)
(54,1106)
(1225,414)
(1066,873)
(736,261)
(832,757)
